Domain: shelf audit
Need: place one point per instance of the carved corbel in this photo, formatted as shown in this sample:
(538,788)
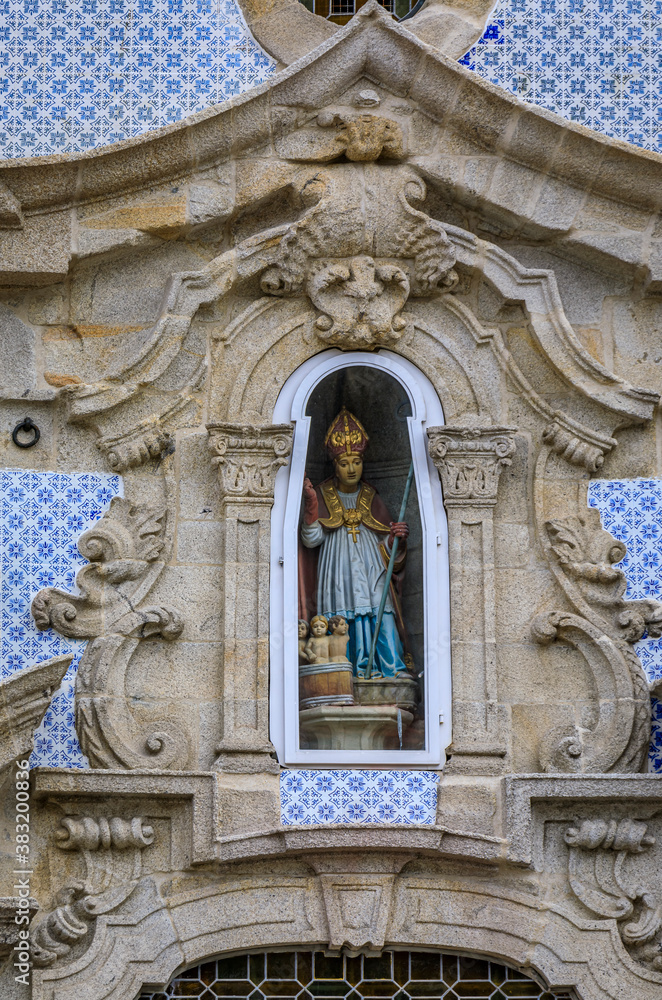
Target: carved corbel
(98,839)
(123,548)
(576,444)
(149,439)
(248,458)
(599,850)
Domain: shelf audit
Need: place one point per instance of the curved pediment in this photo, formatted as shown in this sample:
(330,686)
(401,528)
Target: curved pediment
(514,170)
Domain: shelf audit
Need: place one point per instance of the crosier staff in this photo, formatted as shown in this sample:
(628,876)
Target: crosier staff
(389,573)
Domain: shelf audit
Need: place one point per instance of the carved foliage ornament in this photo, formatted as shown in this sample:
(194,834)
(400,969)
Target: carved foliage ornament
(123,549)
(248,458)
(586,553)
(600,879)
(470,461)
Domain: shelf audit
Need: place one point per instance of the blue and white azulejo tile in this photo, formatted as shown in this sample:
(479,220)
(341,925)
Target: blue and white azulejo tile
(595,62)
(356,797)
(42,515)
(631,509)
(75,74)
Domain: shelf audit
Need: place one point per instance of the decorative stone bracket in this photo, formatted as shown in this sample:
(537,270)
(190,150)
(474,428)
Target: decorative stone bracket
(597,869)
(123,548)
(81,902)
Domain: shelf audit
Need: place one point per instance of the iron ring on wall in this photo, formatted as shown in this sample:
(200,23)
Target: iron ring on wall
(26,426)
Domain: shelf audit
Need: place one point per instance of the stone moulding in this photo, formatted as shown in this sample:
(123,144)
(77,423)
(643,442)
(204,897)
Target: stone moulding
(123,548)
(24,698)
(519,139)
(341,888)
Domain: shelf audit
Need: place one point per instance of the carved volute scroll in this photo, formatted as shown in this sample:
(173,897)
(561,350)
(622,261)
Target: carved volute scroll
(583,557)
(124,548)
(599,870)
(111,853)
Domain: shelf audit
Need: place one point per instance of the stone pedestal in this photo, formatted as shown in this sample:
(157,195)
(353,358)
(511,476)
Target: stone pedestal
(353,727)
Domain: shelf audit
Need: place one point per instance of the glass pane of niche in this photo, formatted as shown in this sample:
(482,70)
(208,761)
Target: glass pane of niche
(360,570)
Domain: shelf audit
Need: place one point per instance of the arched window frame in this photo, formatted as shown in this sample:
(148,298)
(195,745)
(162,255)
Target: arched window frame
(426,412)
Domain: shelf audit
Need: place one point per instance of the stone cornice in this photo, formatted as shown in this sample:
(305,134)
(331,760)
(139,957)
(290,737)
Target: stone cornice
(501,126)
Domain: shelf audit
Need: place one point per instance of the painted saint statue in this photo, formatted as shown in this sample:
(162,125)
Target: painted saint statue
(347,526)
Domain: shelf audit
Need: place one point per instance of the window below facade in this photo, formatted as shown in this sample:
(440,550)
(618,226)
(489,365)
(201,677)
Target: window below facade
(340,11)
(402,975)
(359,652)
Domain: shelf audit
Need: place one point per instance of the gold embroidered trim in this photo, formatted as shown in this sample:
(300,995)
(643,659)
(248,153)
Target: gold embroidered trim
(337,513)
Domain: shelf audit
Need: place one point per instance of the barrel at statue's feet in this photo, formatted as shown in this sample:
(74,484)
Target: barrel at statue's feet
(325,684)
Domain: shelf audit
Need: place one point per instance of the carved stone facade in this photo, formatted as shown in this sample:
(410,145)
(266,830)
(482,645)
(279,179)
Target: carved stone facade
(371,197)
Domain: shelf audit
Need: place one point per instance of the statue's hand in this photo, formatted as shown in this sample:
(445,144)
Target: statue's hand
(399,529)
(310,502)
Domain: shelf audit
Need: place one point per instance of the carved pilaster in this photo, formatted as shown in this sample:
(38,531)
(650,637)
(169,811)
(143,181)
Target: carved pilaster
(247,459)
(469,461)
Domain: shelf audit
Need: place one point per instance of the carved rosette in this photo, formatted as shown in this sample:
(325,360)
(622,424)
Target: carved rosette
(469,461)
(248,458)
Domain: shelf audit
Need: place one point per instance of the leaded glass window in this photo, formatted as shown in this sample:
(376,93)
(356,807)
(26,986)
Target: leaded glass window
(305,975)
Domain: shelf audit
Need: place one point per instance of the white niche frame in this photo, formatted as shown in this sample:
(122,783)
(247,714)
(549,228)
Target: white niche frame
(284,681)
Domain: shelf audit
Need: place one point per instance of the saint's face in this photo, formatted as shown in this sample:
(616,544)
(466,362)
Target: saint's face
(349,469)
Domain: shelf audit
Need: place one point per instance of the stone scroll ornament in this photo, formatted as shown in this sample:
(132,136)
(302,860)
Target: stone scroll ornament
(362,248)
(601,852)
(583,556)
(111,849)
(123,549)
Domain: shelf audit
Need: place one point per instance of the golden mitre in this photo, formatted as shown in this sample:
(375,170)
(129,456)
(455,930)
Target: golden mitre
(346,436)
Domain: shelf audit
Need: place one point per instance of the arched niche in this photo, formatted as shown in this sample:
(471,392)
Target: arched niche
(428,723)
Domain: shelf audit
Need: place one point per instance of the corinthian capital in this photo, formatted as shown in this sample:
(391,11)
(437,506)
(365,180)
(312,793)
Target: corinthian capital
(249,457)
(469,461)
